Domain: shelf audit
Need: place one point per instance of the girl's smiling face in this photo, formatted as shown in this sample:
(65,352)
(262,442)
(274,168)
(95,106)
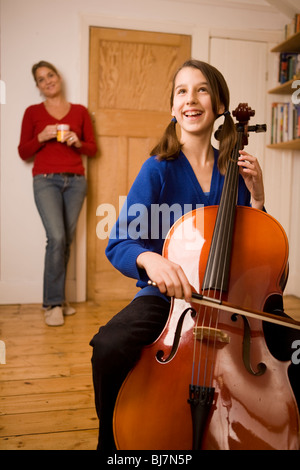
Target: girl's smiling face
(192,104)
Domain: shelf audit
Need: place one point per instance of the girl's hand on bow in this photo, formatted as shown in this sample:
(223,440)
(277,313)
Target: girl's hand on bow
(252,174)
(168,276)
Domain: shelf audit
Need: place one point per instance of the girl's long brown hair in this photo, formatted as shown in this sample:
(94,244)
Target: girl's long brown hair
(168,147)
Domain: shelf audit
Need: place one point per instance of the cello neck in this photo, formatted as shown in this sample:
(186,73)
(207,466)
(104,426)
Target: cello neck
(218,263)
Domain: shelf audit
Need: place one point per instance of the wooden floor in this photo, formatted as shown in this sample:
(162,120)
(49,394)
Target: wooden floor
(46,392)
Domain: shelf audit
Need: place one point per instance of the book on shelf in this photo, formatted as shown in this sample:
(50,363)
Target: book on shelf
(293,27)
(285,122)
(289,66)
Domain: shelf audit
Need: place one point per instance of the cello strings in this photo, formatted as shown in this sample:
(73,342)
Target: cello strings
(222,240)
(199,343)
(229,214)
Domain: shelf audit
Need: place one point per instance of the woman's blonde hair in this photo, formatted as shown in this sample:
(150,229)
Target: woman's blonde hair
(168,147)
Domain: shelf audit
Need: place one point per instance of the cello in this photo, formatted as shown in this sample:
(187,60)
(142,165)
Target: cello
(209,381)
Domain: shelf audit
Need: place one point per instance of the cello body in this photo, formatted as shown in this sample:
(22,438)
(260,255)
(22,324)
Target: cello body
(253,405)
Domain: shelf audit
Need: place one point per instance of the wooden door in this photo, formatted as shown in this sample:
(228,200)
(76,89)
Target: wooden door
(130,77)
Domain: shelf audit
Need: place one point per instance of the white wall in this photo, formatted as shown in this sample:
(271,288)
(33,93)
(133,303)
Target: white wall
(57,31)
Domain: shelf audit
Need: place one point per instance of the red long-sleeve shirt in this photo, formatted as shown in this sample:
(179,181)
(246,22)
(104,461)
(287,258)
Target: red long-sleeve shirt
(53,156)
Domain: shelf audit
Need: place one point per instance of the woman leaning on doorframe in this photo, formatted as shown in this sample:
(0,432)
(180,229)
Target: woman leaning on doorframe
(59,182)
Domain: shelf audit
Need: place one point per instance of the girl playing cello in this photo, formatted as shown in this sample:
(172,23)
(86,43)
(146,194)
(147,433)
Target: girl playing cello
(184,172)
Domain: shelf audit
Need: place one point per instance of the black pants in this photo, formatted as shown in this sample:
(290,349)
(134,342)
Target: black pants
(118,344)
(116,348)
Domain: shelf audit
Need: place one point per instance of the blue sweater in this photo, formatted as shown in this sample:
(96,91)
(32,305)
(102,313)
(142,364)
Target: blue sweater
(164,187)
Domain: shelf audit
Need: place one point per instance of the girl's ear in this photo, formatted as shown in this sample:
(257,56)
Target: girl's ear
(221,109)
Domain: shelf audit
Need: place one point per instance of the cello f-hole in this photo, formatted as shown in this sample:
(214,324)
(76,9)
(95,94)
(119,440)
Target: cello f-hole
(261,367)
(160,354)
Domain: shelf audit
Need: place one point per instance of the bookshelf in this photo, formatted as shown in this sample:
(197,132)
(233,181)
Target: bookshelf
(284,89)
(290,45)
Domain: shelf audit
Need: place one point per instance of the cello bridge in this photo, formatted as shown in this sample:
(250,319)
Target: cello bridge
(205,333)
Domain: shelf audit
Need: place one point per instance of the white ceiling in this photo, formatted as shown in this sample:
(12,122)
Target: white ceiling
(286,7)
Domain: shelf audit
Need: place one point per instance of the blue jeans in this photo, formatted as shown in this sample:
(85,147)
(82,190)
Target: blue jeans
(59,199)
